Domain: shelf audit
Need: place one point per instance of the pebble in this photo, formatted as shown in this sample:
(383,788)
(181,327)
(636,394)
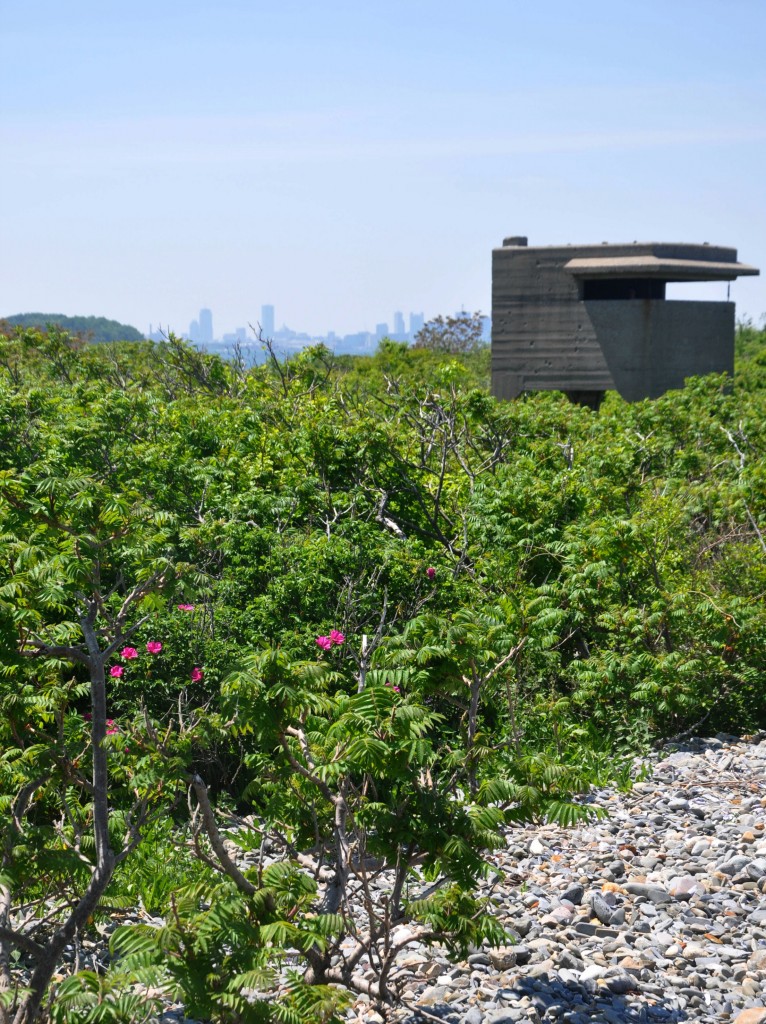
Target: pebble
(754,1015)
(653,914)
(601,908)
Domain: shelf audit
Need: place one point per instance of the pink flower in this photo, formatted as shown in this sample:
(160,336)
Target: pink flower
(185,607)
(128,653)
(324,642)
(336,637)
(430,572)
(196,674)
(154,647)
(116,671)
(111,729)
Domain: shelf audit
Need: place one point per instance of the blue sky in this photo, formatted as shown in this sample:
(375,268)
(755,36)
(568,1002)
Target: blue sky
(343,160)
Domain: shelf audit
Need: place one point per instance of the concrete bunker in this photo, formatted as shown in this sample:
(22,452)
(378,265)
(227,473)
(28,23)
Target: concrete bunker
(587,319)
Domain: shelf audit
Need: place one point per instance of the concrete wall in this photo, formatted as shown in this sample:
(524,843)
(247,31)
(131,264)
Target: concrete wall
(544,337)
(651,346)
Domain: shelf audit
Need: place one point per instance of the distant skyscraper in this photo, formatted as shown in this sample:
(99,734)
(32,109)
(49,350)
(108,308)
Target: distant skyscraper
(416,322)
(267,321)
(205,327)
(398,323)
(381,330)
(194,331)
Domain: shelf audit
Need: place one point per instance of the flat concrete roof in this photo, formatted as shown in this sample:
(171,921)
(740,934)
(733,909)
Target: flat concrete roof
(659,267)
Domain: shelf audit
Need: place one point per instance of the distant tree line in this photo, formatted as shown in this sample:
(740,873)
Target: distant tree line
(91,328)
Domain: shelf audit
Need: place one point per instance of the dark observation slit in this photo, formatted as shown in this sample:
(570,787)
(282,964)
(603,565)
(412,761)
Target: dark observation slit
(623,288)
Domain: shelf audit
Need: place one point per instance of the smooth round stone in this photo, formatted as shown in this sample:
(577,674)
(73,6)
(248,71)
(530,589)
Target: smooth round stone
(600,907)
(757,961)
(560,915)
(569,960)
(473,1016)
(758,916)
(756,869)
(573,894)
(734,865)
(753,1015)
(502,958)
(656,893)
(684,887)
(593,972)
(620,983)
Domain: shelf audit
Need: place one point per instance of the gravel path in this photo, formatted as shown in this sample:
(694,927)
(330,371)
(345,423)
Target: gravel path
(656,913)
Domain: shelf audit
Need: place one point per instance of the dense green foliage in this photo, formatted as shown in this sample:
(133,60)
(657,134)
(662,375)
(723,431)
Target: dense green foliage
(348,617)
(91,328)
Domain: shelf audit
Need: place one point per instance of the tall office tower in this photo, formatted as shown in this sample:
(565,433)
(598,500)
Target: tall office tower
(267,321)
(416,322)
(398,323)
(194,335)
(381,330)
(205,327)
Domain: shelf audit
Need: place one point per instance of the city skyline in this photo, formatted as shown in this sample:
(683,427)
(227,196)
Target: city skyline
(201,332)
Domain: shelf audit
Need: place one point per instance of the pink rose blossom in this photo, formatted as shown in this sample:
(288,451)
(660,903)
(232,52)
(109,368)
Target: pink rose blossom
(116,671)
(196,674)
(128,653)
(154,647)
(336,637)
(185,607)
(324,642)
(430,572)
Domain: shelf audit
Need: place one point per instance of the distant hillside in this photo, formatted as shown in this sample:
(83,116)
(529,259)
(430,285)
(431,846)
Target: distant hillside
(93,328)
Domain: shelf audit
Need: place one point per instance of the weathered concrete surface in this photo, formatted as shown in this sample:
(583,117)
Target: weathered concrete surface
(548,335)
(651,346)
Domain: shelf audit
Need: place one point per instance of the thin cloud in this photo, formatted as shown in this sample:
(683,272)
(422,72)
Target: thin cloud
(298,139)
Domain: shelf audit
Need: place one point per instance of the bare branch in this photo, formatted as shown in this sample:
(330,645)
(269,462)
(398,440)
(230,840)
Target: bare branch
(21,941)
(46,650)
(208,818)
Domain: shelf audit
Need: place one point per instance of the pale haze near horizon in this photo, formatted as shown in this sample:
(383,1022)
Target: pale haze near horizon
(345,160)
